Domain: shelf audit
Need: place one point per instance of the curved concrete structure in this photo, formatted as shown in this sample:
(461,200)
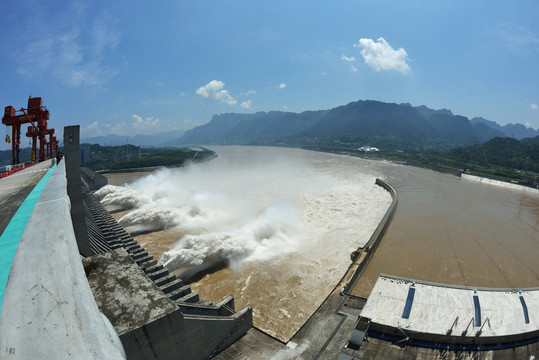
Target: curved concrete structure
(376,236)
(48,310)
(443,316)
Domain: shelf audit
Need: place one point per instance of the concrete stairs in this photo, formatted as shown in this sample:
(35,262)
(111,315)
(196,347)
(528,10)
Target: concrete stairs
(106,234)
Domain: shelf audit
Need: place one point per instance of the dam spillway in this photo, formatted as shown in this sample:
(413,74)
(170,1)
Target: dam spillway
(284,221)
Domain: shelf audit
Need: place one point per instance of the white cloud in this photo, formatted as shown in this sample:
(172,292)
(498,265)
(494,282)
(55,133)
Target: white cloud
(92,130)
(149,124)
(353,68)
(282,85)
(137,125)
(69,47)
(380,55)
(533,106)
(346,58)
(246,104)
(519,39)
(214,89)
(251,92)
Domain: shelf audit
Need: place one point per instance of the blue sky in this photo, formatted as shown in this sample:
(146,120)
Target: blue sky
(124,67)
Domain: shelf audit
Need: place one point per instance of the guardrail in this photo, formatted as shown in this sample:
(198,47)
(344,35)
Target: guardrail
(14,169)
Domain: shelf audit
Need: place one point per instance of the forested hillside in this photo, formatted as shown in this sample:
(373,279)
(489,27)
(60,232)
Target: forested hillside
(365,122)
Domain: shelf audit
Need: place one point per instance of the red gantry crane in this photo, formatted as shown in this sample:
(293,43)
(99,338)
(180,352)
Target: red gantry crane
(49,144)
(37,115)
(32,134)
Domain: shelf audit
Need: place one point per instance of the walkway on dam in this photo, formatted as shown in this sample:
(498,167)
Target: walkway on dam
(18,195)
(16,187)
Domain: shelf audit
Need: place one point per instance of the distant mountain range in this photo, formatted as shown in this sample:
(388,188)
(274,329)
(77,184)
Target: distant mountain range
(364,122)
(517,131)
(156,140)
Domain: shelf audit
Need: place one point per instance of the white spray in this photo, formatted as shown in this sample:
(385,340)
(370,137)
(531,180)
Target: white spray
(251,205)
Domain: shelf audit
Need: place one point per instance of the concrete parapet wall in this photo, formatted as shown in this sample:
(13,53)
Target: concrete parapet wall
(377,235)
(48,310)
(382,226)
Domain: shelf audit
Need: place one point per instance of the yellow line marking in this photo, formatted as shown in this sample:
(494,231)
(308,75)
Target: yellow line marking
(32,180)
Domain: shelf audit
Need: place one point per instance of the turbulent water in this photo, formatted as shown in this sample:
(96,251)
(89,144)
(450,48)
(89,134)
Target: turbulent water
(276,226)
(284,222)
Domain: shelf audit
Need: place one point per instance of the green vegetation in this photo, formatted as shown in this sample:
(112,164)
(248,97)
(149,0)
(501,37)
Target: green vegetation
(6,156)
(130,156)
(504,159)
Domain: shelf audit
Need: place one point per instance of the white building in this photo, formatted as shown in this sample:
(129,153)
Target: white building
(368,148)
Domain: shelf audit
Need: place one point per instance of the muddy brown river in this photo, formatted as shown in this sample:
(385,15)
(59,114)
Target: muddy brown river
(445,230)
(455,231)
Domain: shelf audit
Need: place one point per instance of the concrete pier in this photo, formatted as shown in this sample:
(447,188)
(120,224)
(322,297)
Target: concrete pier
(453,314)
(421,314)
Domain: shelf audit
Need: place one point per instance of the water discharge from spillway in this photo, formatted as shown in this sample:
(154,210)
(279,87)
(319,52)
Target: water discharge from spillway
(445,230)
(276,226)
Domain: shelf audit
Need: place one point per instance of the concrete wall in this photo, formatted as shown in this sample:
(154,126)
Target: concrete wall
(377,235)
(178,336)
(453,342)
(72,165)
(48,310)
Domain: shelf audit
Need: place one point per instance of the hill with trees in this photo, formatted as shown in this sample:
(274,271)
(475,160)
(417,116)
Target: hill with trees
(364,122)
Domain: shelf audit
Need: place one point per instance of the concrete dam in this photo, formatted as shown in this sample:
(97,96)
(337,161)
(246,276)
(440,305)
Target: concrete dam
(78,285)
(115,303)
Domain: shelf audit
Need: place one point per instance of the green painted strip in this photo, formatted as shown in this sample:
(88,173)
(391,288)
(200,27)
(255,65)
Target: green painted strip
(9,240)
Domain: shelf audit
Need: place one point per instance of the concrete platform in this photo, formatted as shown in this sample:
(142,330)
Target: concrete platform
(124,293)
(453,314)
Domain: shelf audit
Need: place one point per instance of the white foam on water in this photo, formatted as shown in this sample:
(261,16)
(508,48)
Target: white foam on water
(119,195)
(151,219)
(252,205)
(272,233)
